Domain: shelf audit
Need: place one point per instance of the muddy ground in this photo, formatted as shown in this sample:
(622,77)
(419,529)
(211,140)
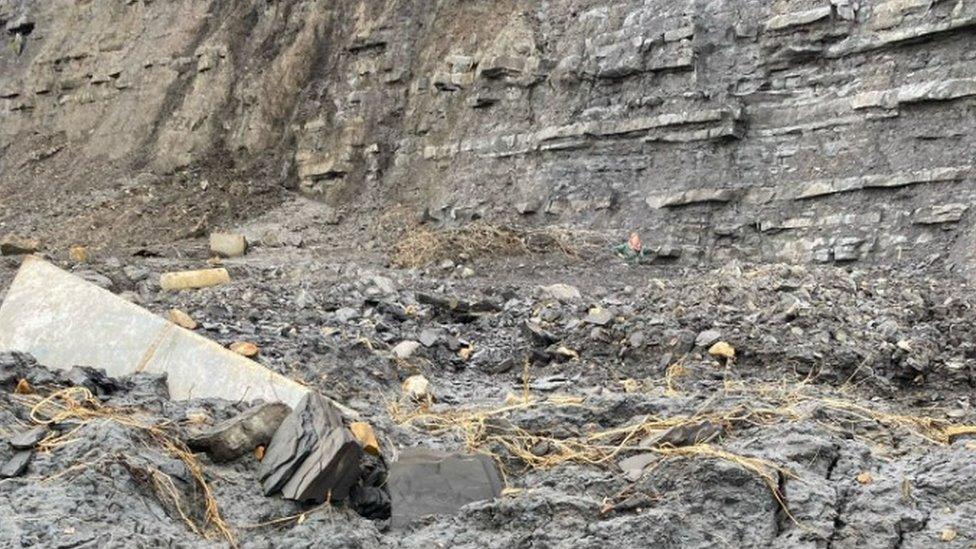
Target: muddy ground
(840,421)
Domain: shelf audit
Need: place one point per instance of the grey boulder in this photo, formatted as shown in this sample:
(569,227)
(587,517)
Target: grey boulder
(231,439)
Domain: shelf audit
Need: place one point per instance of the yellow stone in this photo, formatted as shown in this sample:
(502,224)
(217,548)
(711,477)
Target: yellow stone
(245,348)
(948,535)
(182,319)
(366,437)
(722,350)
(23,388)
(865,478)
(78,254)
(188,280)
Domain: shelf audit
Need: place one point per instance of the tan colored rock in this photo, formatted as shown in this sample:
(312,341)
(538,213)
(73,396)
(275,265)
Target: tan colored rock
(228,244)
(189,280)
(865,478)
(417,388)
(245,348)
(78,254)
(18,245)
(24,388)
(722,350)
(366,436)
(182,319)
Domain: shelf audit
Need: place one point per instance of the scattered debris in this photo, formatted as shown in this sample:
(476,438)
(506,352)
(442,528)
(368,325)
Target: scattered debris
(191,280)
(427,482)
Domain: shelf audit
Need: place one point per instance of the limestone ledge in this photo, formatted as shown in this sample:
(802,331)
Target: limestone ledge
(581,133)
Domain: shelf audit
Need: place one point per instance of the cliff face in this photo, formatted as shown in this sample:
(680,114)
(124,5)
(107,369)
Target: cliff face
(827,130)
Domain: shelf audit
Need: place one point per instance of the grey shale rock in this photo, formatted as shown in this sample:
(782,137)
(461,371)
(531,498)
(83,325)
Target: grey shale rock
(232,438)
(310,453)
(26,440)
(16,465)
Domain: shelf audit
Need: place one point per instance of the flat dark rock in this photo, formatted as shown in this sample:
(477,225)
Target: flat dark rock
(296,438)
(29,438)
(16,465)
(231,439)
(329,472)
(426,482)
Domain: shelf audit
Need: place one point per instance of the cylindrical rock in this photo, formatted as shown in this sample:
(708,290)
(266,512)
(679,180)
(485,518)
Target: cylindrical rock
(186,280)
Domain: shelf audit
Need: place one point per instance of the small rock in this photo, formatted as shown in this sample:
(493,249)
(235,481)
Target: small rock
(599,316)
(245,348)
(687,434)
(430,337)
(78,254)
(948,535)
(366,436)
(239,435)
(417,388)
(29,438)
(16,465)
(23,387)
(346,314)
(865,478)
(708,338)
(228,244)
(634,466)
(722,350)
(384,285)
(18,245)
(405,349)
(562,292)
(182,319)
(467,272)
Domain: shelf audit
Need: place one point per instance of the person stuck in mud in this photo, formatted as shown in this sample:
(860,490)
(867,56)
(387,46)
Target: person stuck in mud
(632,250)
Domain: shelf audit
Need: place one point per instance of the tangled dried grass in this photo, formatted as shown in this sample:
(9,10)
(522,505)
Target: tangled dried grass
(486,431)
(418,246)
(77,405)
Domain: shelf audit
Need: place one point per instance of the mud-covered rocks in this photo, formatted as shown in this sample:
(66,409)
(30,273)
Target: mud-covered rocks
(240,435)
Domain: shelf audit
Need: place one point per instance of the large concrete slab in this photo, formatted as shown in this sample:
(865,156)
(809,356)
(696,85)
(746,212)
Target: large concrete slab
(65,321)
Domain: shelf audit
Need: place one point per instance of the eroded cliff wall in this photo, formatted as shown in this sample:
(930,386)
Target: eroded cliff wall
(803,130)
